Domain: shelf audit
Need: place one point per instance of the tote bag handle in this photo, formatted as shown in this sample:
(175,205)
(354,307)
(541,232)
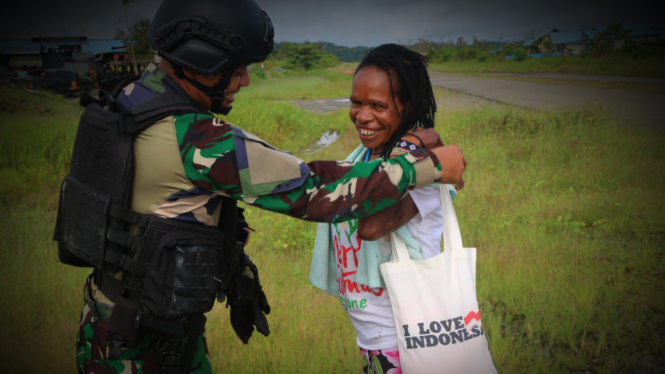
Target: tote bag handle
(452,237)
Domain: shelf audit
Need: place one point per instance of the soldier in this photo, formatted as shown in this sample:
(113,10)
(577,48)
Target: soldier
(150,198)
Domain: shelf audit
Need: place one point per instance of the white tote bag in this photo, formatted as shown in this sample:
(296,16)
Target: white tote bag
(436,311)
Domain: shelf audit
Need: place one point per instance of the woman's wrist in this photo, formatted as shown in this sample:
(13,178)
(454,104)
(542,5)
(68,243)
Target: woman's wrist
(403,146)
(414,139)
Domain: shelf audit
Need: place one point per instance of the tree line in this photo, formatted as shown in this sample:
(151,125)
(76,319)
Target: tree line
(315,55)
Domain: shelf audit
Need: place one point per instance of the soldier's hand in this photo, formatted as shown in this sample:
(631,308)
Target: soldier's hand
(248,304)
(452,163)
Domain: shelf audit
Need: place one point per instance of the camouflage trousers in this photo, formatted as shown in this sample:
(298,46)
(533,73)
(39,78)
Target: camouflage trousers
(92,355)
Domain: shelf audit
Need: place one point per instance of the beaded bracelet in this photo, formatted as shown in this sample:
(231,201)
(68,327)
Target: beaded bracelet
(402,146)
(405,144)
(417,137)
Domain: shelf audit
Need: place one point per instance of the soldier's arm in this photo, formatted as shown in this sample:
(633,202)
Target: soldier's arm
(220,157)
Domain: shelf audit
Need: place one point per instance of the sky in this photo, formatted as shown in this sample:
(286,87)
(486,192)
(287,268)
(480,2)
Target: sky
(348,22)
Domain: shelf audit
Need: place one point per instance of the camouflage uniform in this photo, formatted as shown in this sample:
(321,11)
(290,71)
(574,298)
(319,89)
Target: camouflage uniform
(93,347)
(185,163)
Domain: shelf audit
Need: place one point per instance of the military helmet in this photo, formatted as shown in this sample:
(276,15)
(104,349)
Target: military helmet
(209,36)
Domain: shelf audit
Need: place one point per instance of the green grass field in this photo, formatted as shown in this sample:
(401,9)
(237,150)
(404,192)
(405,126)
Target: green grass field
(565,209)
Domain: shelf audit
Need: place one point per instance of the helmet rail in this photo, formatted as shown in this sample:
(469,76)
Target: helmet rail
(170,35)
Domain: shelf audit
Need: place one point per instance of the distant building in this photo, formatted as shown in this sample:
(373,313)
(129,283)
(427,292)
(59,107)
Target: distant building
(71,53)
(637,32)
(569,42)
(577,41)
(541,43)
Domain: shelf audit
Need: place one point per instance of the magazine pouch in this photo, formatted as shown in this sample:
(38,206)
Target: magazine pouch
(181,276)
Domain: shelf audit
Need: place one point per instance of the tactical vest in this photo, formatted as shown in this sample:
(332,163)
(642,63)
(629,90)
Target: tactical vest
(171,270)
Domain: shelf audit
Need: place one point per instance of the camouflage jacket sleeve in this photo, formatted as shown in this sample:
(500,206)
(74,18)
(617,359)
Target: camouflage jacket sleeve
(223,158)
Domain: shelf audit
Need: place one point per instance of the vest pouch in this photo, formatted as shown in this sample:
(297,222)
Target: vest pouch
(180,279)
(81,224)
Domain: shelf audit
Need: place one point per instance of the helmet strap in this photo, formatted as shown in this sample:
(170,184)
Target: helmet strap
(216,92)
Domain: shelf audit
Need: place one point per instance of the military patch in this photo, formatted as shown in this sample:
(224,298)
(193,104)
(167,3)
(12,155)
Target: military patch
(264,169)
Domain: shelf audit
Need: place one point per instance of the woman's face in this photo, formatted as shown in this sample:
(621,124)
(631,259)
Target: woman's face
(373,111)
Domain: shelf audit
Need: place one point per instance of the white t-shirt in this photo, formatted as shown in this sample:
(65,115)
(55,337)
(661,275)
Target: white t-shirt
(369,308)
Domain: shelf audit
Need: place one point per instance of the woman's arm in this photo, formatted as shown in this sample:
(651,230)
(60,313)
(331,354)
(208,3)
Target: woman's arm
(383,223)
(388,220)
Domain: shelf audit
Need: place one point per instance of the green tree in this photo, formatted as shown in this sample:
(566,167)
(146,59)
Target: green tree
(482,56)
(603,42)
(520,55)
(302,56)
(441,55)
(345,54)
(138,36)
(531,36)
(509,49)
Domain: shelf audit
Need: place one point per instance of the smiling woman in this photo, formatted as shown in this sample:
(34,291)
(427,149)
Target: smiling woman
(391,88)
(391,95)
(375,111)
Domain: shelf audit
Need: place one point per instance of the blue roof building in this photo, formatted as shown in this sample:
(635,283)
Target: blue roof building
(537,41)
(574,42)
(82,44)
(567,37)
(569,42)
(76,52)
(98,46)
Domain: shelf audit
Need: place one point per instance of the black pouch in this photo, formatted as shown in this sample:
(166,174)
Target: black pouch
(122,327)
(81,224)
(180,280)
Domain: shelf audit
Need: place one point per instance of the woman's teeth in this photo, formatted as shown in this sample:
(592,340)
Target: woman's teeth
(367,132)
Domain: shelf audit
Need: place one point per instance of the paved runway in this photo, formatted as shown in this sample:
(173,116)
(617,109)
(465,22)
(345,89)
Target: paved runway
(630,107)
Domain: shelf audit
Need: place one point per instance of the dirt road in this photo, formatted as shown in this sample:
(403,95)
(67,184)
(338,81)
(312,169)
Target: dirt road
(581,77)
(630,107)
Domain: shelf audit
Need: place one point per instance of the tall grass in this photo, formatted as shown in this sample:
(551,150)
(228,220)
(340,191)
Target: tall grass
(565,209)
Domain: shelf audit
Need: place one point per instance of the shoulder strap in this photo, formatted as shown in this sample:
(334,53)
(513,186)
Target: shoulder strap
(114,86)
(108,90)
(157,108)
(146,113)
